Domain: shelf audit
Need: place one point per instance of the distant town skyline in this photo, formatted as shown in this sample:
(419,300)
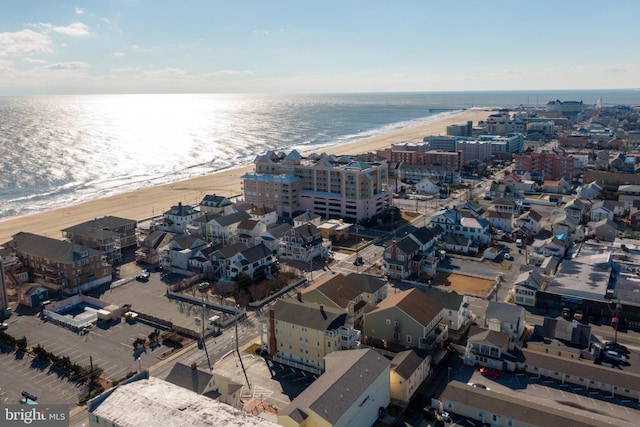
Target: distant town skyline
(145,46)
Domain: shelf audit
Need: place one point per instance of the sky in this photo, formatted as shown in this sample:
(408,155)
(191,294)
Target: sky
(304,46)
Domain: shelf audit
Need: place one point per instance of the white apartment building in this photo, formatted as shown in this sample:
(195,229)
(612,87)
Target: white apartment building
(330,186)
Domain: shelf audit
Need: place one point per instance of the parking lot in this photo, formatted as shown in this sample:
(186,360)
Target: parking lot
(109,348)
(150,297)
(21,373)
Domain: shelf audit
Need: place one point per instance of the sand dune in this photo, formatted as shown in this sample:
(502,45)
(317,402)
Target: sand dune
(146,202)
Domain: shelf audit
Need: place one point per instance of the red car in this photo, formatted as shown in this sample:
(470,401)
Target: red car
(490,372)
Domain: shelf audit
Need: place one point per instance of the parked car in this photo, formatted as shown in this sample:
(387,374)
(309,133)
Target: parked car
(519,243)
(144,276)
(3,326)
(358,261)
(616,347)
(614,355)
(490,372)
(507,256)
(444,416)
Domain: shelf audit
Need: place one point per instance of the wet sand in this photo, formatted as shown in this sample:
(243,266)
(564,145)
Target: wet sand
(151,201)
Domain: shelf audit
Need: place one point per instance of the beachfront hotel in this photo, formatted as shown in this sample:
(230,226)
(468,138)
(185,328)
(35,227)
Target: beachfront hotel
(328,185)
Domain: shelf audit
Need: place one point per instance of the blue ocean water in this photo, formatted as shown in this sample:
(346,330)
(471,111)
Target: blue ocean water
(61,150)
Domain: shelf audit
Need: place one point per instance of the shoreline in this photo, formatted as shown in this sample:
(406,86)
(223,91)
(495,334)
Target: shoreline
(155,200)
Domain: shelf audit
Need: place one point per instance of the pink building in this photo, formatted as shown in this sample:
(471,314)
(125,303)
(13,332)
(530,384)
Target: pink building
(549,164)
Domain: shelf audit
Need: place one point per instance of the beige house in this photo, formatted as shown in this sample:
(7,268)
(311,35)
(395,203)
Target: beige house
(301,334)
(405,320)
(408,371)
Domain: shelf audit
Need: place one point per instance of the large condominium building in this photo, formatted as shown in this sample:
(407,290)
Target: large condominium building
(444,158)
(331,186)
(442,142)
(549,164)
(504,144)
(418,153)
(405,152)
(460,130)
(502,124)
(475,151)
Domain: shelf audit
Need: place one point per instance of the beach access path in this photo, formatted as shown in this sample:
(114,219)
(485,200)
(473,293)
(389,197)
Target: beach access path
(147,202)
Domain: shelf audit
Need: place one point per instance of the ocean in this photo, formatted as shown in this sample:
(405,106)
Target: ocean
(62,150)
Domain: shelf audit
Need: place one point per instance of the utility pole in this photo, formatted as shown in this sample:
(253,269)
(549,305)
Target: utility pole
(237,348)
(615,320)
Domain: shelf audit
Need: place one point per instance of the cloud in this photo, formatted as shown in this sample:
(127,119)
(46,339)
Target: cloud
(24,43)
(71,65)
(118,54)
(77,29)
(79,11)
(33,60)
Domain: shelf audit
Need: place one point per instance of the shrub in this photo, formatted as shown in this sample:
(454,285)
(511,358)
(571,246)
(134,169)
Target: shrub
(172,338)
(22,344)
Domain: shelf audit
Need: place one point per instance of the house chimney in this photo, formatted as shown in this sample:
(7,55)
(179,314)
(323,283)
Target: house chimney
(273,344)
(322,308)
(394,251)
(299,296)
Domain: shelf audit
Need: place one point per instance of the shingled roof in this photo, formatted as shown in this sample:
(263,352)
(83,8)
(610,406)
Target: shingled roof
(414,303)
(311,315)
(51,249)
(336,391)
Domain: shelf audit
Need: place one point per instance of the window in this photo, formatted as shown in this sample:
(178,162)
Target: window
(408,339)
(388,321)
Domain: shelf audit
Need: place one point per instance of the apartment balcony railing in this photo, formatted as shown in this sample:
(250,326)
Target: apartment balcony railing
(349,338)
(438,335)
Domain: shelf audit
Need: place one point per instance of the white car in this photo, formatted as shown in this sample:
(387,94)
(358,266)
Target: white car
(614,355)
(507,256)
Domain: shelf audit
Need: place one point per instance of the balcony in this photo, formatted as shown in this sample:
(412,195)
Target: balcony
(349,338)
(439,334)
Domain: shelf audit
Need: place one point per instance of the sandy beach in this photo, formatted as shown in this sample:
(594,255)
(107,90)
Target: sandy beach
(150,201)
